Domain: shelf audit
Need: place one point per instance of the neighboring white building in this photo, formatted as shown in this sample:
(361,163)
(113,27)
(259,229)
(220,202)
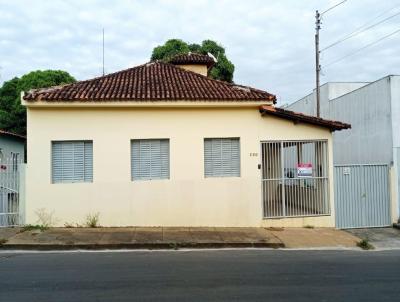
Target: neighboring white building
(12,147)
(373,110)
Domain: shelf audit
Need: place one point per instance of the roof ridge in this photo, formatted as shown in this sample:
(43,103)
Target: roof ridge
(135,83)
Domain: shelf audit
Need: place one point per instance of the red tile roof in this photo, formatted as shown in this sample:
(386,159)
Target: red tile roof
(192,58)
(303,118)
(156,81)
(7,133)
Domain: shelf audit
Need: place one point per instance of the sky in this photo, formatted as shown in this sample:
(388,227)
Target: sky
(271,43)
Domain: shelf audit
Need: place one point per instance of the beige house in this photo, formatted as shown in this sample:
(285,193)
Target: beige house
(162,144)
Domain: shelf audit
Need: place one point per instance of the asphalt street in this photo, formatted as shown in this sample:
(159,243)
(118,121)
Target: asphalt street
(201,275)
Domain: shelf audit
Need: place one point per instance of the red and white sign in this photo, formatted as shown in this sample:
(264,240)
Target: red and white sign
(304,170)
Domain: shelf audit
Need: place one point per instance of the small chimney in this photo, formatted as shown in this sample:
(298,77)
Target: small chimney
(195,62)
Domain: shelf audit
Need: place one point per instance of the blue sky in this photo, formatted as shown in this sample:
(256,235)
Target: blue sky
(270,42)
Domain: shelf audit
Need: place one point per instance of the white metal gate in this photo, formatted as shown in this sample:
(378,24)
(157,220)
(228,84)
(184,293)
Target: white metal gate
(10,194)
(362,196)
(295,178)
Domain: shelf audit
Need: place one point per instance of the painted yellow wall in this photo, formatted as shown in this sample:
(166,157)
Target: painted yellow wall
(187,198)
(202,69)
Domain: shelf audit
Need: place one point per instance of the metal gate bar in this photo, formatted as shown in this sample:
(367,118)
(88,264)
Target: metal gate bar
(9,193)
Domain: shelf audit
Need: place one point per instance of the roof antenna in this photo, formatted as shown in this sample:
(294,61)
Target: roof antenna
(103,51)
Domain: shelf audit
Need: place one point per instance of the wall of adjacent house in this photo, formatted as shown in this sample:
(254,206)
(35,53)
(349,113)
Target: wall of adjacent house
(328,91)
(11,144)
(395,119)
(197,68)
(187,198)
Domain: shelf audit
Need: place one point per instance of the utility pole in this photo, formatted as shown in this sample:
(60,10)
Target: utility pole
(317,65)
(318,16)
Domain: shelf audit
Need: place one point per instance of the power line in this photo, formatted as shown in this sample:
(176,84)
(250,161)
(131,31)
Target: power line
(358,31)
(362,48)
(332,7)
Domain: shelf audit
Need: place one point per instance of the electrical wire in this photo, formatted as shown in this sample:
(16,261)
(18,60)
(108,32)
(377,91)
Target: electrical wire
(362,48)
(333,7)
(358,31)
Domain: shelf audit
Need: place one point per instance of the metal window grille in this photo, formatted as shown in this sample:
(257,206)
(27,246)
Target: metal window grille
(295,178)
(72,161)
(221,157)
(150,159)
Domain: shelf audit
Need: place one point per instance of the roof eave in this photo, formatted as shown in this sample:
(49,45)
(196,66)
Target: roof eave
(305,119)
(145,103)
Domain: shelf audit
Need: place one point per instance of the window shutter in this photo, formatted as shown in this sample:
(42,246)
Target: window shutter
(221,157)
(57,162)
(72,161)
(208,158)
(88,177)
(78,161)
(67,162)
(150,159)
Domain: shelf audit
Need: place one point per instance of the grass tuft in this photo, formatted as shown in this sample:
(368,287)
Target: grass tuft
(31,227)
(365,245)
(92,220)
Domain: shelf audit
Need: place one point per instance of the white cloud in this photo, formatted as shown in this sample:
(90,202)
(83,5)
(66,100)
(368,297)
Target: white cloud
(271,43)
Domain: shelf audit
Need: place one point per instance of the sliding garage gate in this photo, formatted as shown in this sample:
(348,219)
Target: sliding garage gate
(362,196)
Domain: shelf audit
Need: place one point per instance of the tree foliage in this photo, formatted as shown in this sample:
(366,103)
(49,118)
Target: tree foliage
(12,113)
(222,70)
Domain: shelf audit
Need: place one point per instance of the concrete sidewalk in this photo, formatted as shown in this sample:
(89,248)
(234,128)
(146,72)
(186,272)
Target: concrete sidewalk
(380,238)
(173,237)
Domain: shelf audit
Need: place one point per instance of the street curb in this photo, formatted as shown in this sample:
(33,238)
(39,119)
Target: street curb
(141,246)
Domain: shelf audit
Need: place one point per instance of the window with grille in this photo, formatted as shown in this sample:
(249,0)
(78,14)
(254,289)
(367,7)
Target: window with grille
(221,157)
(150,159)
(72,161)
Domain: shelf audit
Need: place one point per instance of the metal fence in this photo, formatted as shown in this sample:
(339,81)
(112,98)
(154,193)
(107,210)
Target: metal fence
(9,193)
(295,178)
(362,196)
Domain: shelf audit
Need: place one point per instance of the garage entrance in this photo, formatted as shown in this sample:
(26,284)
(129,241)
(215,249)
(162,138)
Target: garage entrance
(362,196)
(295,178)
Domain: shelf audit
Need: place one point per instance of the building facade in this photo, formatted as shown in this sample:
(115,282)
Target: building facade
(163,145)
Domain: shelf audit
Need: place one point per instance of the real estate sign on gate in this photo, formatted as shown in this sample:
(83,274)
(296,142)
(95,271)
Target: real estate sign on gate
(304,170)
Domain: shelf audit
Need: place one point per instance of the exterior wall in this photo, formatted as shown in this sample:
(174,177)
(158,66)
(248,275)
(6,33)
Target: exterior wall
(367,108)
(187,198)
(11,144)
(202,69)
(368,111)
(328,91)
(395,115)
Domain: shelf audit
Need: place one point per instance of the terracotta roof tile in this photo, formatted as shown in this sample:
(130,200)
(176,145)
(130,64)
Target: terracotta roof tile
(192,58)
(303,118)
(155,81)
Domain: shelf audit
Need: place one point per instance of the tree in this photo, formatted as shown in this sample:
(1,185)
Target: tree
(222,70)
(12,113)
